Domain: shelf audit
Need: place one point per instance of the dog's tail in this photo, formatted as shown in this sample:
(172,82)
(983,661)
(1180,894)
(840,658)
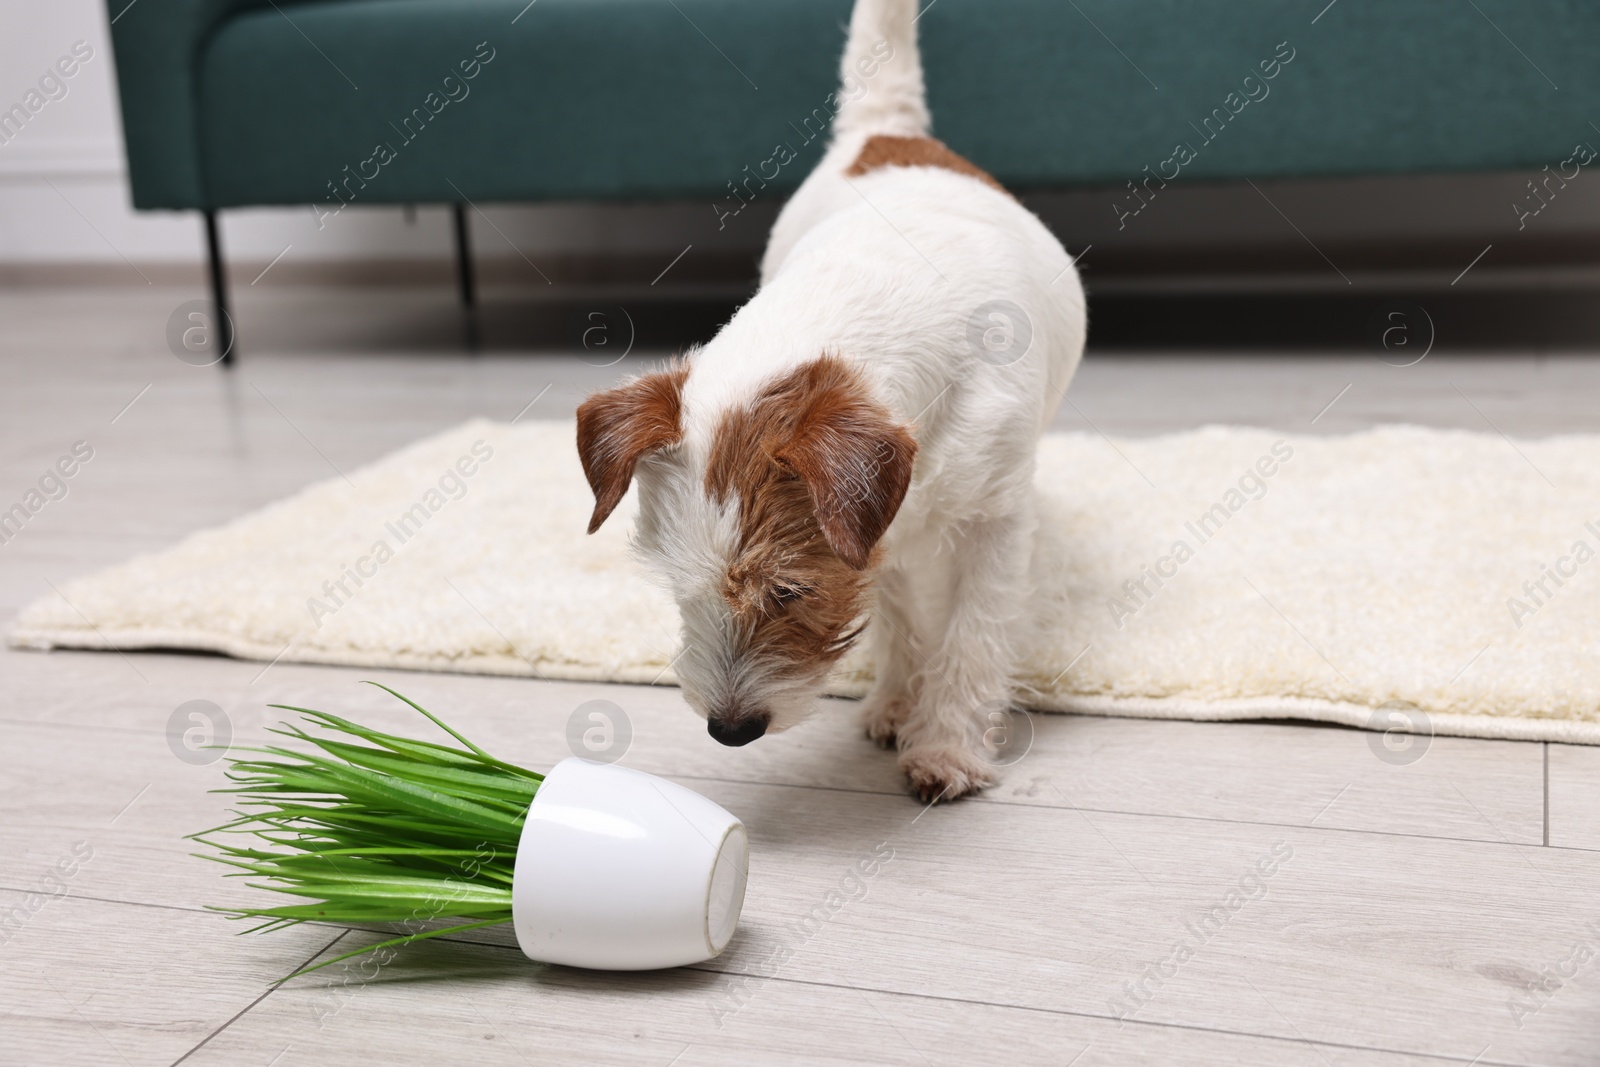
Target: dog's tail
(880,75)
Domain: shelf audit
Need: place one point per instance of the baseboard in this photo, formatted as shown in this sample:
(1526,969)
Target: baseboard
(30,160)
(1568,262)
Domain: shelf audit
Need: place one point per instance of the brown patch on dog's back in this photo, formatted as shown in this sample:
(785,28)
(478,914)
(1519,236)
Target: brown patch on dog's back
(819,470)
(887,150)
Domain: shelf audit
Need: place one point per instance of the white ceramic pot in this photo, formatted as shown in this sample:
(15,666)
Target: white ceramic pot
(621,870)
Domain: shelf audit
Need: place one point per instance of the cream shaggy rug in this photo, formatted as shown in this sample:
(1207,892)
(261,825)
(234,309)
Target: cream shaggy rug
(1218,574)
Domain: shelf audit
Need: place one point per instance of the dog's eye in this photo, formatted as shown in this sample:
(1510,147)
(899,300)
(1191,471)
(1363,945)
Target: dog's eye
(785,594)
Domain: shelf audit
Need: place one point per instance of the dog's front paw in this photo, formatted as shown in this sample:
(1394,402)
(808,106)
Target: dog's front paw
(883,717)
(945,772)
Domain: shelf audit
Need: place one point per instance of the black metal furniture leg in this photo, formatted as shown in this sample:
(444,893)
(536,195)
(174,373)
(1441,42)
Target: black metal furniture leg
(219,289)
(464,276)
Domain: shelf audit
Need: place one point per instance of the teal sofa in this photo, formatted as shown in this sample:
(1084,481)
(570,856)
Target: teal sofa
(229,103)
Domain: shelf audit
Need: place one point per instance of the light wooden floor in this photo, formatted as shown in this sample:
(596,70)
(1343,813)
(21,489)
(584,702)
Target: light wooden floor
(1444,911)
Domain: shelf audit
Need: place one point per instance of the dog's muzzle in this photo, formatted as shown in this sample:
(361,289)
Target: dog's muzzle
(736,732)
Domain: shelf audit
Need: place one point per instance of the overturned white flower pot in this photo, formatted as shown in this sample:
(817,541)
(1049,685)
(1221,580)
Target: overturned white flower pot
(594,865)
(621,870)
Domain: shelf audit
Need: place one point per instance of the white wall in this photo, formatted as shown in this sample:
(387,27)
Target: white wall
(64,198)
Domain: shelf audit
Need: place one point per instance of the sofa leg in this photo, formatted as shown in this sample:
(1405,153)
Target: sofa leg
(219,289)
(464,277)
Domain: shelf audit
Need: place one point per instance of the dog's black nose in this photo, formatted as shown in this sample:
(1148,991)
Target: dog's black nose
(737,732)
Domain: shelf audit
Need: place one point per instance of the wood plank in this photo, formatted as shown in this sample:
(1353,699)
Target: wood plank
(88,982)
(1363,939)
(1575,796)
(1159,392)
(443,1002)
(1289,774)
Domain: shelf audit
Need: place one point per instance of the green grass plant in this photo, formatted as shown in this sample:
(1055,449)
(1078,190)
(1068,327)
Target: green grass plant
(371,828)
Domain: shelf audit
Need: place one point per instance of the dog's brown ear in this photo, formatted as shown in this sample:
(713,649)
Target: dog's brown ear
(620,425)
(854,458)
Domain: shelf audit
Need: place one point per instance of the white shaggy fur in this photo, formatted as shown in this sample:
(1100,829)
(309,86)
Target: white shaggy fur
(887,270)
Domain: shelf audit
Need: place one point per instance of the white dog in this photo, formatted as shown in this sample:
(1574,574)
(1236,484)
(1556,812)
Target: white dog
(855,449)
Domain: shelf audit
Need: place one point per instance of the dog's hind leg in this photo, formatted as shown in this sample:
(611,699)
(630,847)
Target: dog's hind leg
(970,674)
